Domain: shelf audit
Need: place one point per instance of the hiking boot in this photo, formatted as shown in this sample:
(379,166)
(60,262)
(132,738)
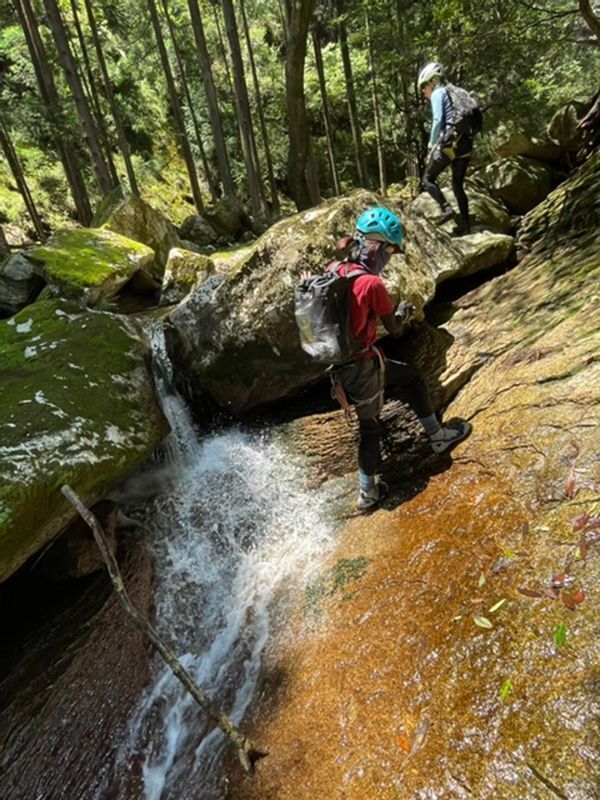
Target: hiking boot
(447,437)
(462,229)
(367,498)
(446,215)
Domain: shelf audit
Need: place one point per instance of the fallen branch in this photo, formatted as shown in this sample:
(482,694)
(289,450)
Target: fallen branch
(248,752)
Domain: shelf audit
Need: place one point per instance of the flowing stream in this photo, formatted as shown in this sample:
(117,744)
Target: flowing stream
(233,532)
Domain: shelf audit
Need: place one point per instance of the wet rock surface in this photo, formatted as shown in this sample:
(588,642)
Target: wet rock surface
(74,680)
(450,647)
(67,419)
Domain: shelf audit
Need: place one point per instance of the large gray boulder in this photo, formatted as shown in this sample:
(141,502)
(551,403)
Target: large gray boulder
(184,271)
(77,406)
(519,144)
(485,212)
(519,182)
(198,230)
(235,336)
(562,128)
(134,218)
(20,283)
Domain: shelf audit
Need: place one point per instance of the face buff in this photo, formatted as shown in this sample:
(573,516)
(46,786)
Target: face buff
(372,255)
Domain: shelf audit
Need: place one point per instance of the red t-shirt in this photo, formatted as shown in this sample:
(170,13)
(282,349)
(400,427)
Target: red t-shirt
(369,300)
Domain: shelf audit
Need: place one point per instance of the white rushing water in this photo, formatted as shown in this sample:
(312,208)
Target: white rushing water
(232,531)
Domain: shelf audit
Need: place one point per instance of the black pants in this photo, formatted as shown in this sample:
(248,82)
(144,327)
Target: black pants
(438,162)
(362,380)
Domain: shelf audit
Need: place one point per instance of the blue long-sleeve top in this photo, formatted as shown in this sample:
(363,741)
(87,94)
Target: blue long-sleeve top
(441,107)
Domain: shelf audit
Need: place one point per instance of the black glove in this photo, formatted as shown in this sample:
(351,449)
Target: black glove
(404,311)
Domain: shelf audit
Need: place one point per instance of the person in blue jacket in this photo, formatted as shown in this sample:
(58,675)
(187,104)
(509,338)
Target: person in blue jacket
(446,147)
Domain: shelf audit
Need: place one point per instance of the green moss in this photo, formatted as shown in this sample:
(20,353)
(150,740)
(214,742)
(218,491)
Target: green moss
(334,583)
(83,258)
(77,406)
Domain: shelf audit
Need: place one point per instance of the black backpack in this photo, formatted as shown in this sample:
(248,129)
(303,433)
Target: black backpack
(322,310)
(468,116)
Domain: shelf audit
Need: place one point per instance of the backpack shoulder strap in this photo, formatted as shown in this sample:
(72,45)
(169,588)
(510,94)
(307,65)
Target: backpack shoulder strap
(355,273)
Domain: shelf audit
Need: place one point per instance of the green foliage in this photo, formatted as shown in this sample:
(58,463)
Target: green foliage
(522,60)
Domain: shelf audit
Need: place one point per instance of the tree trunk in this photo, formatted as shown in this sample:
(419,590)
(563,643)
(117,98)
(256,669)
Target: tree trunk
(211,99)
(64,145)
(188,98)
(94,96)
(326,118)
(261,115)
(114,108)
(4,245)
(376,112)
(17,171)
(298,16)
(361,166)
(176,108)
(591,19)
(243,108)
(69,67)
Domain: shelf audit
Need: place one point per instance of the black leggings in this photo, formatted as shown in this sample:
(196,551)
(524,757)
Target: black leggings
(402,381)
(437,164)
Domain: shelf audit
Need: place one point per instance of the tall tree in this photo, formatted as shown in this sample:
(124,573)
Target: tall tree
(261,113)
(376,110)
(211,99)
(110,96)
(298,15)
(17,171)
(61,136)
(326,116)
(176,108)
(591,18)
(69,66)
(359,155)
(188,99)
(243,108)
(94,95)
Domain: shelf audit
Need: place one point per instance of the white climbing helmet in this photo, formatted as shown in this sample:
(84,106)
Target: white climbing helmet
(430,71)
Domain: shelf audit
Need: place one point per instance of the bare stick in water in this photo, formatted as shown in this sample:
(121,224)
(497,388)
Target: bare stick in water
(248,752)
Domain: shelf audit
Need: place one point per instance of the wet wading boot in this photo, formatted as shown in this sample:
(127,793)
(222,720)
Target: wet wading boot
(447,437)
(368,498)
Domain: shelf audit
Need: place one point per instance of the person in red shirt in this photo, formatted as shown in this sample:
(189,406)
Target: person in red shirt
(378,236)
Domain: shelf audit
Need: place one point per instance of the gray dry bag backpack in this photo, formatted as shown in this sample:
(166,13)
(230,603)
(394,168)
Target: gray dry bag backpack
(468,117)
(322,309)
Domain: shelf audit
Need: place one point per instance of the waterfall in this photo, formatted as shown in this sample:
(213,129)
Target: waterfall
(232,530)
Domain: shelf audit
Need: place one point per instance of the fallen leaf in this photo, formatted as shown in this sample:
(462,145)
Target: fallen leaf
(529,592)
(560,634)
(496,606)
(483,622)
(403,742)
(570,485)
(509,553)
(419,736)
(457,618)
(481,581)
(506,690)
(580,521)
(571,601)
(583,546)
(476,600)
(525,529)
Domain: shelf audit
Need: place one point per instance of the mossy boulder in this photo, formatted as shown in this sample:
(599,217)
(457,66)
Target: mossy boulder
(198,230)
(184,271)
(562,128)
(228,216)
(131,216)
(77,406)
(90,264)
(20,283)
(519,182)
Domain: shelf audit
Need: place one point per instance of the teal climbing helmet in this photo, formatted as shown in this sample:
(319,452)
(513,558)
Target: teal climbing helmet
(380,223)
